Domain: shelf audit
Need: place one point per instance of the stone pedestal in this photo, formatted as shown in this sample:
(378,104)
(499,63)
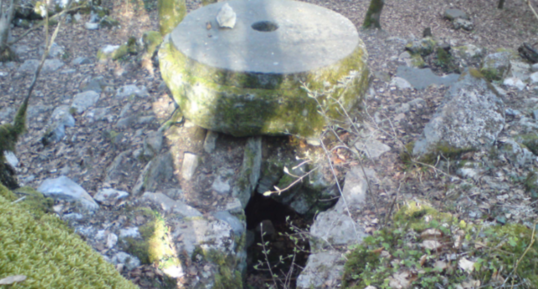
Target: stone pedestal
(281,64)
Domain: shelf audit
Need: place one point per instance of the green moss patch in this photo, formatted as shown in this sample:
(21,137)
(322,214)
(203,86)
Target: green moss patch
(430,247)
(46,252)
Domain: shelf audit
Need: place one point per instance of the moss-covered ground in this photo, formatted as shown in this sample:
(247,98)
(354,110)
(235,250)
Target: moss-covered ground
(430,247)
(41,247)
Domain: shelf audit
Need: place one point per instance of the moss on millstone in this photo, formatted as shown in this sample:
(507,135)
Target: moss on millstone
(488,247)
(171,13)
(222,100)
(46,251)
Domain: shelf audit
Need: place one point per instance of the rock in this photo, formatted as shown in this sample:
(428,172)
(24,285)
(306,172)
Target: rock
(355,187)
(91,25)
(151,40)
(60,118)
(470,170)
(132,90)
(262,93)
(517,153)
(514,82)
(221,186)
(83,100)
(468,55)
(95,84)
(237,225)
(131,232)
(108,22)
(400,83)
(55,50)
(519,70)
(424,46)
(63,188)
(452,14)
(110,195)
(470,118)
(129,261)
(534,67)
(204,233)
(210,141)
(81,60)
(29,66)
(332,228)
(157,172)
(11,158)
(250,171)
(113,52)
(373,149)
(533,78)
(190,163)
(422,78)
(99,114)
(323,270)
(170,206)
(152,144)
(462,23)
(52,65)
(123,162)
(226,17)
(496,65)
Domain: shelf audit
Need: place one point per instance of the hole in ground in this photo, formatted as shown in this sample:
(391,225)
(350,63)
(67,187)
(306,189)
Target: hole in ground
(265,26)
(279,223)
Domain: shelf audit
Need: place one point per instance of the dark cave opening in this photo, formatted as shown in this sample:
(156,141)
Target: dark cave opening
(282,225)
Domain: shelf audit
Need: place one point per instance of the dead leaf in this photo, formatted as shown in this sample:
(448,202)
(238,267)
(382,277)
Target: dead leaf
(399,280)
(431,234)
(12,279)
(432,245)
(466,265)
(423,260)
(471,284)
(440,264)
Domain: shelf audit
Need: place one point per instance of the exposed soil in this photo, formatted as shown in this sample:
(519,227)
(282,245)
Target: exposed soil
(87,151)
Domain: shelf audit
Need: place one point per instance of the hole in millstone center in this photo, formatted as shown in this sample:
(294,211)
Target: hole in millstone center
(265,26)
(279,223)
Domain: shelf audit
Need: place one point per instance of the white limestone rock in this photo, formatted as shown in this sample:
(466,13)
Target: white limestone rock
(226,17)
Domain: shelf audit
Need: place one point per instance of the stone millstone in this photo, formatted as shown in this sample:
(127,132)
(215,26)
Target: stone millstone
(251,79)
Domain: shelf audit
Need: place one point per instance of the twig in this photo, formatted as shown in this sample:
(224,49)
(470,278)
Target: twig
(18,200)
(266,253)
(299,179)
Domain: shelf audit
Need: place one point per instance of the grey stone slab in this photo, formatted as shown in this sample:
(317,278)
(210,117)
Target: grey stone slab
(305,37)
(422,78)
(64,188)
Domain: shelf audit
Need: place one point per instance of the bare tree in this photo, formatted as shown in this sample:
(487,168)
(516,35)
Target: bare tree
(373,14)
(7,11)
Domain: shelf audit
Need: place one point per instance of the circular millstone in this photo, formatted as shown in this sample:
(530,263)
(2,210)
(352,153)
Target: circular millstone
(282,63)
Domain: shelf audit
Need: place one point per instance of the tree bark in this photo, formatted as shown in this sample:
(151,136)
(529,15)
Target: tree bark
(7,11)
(373,14)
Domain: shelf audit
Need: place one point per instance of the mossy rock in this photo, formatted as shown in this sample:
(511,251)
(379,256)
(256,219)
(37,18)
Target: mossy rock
(151,40)
(45,250)
(400,247)
(246,104)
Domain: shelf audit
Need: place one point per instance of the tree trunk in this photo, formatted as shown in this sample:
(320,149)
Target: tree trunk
(501,4)
(373,14)
(7,11)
